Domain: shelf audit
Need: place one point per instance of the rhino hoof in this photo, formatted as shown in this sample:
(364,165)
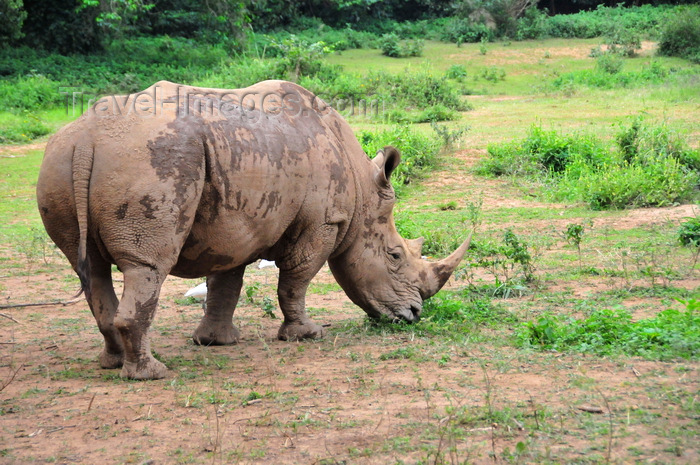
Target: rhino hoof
(297,332)
(109,360)
(150,368)
(205,335)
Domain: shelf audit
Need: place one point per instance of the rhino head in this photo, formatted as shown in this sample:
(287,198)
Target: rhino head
(380,271)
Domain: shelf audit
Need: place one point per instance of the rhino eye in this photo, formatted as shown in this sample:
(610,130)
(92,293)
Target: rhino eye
(395,255)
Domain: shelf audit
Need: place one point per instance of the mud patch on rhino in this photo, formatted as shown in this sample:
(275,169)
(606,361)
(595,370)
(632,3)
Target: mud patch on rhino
(178,156)
(121,211)
(147,203)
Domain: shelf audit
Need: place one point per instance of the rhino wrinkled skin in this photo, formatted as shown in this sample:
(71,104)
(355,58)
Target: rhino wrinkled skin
(202,182)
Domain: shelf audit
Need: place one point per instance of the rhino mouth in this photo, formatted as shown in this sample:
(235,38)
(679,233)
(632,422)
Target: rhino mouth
(410,314)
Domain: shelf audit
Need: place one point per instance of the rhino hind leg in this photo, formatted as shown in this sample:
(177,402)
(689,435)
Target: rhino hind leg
(223,291)
(103,304)
(133,319)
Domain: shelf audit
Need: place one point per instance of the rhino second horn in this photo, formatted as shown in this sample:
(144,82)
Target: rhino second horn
(439,272)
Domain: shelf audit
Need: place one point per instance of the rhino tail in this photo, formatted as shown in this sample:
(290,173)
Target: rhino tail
(83,155)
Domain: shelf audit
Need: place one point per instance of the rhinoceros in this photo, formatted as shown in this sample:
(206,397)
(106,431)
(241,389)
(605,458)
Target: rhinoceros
(198,182)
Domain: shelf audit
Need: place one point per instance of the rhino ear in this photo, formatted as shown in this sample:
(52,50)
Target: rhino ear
(415,246)
(386,160)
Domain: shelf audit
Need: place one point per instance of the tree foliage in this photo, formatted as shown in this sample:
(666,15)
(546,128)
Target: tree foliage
(11,18)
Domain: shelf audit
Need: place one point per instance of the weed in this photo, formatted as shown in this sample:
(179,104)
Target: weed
(574,235)
(493,74)
(671,334)
(268,307)
(482,45)
(251,291)
(450,137)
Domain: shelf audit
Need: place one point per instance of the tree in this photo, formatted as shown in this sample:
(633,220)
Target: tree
(58,26)
(12,15)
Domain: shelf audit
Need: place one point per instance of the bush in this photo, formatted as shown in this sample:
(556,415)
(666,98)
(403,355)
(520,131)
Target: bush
(689,232)
(21,128)
(621,41)
(681,34)
(661,183)
(541,152)
(419,152)
(651,167)
(393,47)
(461,30)
(609,63)
(436,113)
(30,92)
(533,24)
(644,21)
(607,75)
(644,143)
(457,72)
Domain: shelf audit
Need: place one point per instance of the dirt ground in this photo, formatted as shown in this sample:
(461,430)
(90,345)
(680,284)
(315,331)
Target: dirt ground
(347,399)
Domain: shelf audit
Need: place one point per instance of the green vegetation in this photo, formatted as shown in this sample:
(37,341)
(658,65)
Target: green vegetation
(681,34)
(418,151)
(670,334)
(393,47)
(564,304)
(651,166)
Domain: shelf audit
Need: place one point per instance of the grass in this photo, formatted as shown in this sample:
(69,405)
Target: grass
(17,188)
(459,385)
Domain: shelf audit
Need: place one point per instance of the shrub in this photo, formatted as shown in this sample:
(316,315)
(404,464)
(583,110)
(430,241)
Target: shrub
(660,183)
(689,232)
(681,34)
(651,167)
(436,113)
(541,152)
(457,72)
(622,41)
(493,74)
(393,47)
(609,63)
(419,152)
(29,93)
(644,143)
(532,25)
(301,58)
(461,30)
(21,128)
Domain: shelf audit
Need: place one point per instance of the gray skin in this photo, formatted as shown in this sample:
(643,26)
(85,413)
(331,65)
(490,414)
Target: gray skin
(202,182)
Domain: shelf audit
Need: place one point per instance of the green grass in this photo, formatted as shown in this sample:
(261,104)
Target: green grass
(18,210)
(671,334)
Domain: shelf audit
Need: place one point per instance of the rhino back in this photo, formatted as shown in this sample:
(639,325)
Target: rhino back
(270,173)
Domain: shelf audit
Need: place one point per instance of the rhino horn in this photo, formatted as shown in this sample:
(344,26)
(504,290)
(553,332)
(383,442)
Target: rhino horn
(439,272)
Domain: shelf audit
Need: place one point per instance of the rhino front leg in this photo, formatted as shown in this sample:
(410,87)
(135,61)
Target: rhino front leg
(223,291)
(296,272)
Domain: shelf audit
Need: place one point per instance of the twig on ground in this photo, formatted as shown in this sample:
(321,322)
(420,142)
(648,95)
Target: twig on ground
(9,318)
(7,383)
(39,304)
